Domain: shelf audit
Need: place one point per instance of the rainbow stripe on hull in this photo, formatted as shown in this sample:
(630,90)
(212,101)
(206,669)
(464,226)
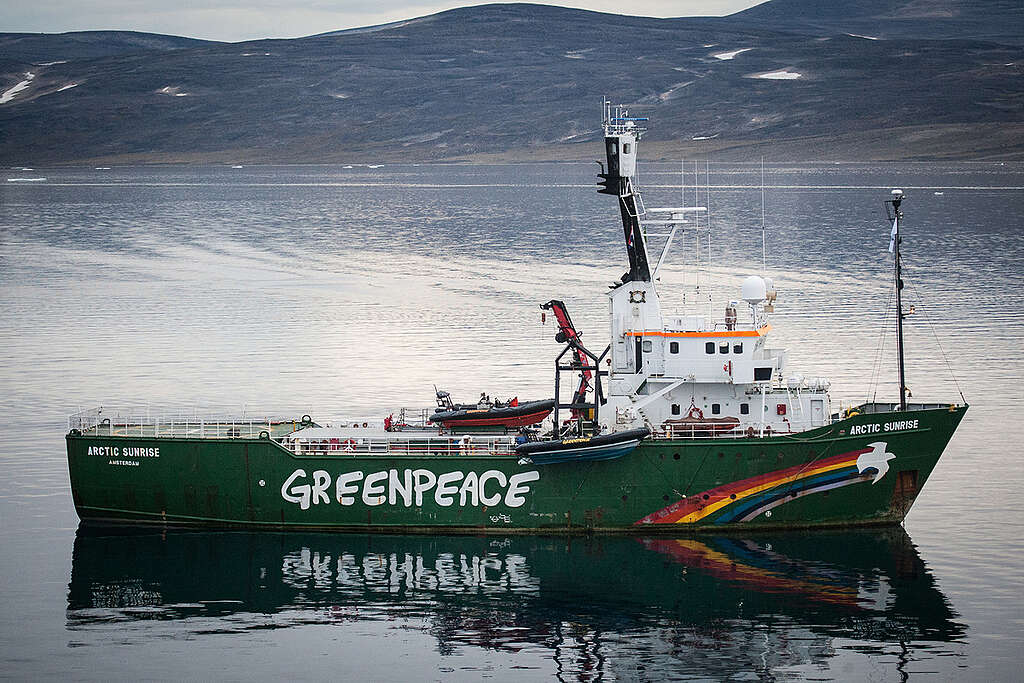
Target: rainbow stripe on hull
(745,500)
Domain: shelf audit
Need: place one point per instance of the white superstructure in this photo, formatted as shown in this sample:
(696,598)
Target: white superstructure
(690,375)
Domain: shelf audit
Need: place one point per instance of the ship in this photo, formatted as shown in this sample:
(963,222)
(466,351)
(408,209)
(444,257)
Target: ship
(683,422)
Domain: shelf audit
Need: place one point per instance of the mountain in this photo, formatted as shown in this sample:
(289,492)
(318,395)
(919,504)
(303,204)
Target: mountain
(999,21)
(525,82)
(79,45)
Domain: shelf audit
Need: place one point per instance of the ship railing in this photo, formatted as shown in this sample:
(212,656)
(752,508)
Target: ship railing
(413,417)
(438,446)
(131,423)
(876,407)
(711,430)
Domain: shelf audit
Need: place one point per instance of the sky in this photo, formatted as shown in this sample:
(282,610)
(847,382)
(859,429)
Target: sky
(234,20)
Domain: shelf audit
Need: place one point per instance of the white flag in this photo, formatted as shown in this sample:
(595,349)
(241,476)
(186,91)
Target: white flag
(892,236)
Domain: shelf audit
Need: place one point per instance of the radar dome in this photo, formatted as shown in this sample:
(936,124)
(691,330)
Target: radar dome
(754,290)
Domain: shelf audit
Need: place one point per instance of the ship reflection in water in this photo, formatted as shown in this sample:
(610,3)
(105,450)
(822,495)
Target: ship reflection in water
(593,608)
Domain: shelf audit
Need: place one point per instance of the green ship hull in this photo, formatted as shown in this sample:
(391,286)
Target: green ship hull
(863,470)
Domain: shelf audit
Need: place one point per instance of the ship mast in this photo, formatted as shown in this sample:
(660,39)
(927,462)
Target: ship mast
(621,134)
(894,247)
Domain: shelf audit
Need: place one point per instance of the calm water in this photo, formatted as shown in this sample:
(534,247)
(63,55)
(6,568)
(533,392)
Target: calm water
(347,292)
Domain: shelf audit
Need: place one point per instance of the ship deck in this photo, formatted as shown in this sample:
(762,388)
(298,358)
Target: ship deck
(97,422)
(300,436)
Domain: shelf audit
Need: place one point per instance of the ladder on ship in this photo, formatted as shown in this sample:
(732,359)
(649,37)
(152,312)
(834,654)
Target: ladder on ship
(586,414)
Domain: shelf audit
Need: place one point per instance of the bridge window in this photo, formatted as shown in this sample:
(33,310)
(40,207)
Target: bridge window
(675,408)
(744,409)
(737,348)
(673,347)
(647,346)
(716,408)
(625,148)
(723,347)
(709,347)
(762,374)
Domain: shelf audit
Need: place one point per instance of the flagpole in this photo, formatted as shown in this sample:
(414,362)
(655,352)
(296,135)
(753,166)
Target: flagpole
(894,247)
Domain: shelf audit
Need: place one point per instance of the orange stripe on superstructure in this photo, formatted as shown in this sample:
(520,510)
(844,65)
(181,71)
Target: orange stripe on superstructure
(730,333)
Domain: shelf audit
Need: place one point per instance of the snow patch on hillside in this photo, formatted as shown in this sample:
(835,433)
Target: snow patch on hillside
(780,75)
(172,90)
(731,55)
(10,93)
(670,93)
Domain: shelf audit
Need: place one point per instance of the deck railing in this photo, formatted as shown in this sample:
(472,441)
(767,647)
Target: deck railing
(143,423)
(711,430)
(429,445)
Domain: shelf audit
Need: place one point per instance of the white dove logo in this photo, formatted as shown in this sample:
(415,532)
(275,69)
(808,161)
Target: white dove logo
(877,460)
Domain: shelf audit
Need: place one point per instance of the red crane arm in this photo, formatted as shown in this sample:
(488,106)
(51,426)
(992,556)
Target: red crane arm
(567,334)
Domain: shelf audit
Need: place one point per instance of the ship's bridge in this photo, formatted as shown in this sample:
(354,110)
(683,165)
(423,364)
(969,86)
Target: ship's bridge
(737,355)
(691,347)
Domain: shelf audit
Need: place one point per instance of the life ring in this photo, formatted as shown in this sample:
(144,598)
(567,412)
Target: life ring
(695,413)
(348,445)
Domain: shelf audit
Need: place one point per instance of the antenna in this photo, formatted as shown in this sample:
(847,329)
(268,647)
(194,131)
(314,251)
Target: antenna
(682,182)
(764,249)
(894,246)
(707,192)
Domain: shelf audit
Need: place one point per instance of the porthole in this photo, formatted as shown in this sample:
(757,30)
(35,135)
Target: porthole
(675,456)
(673,347)
(723,347)
(709,347)
(737,348)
